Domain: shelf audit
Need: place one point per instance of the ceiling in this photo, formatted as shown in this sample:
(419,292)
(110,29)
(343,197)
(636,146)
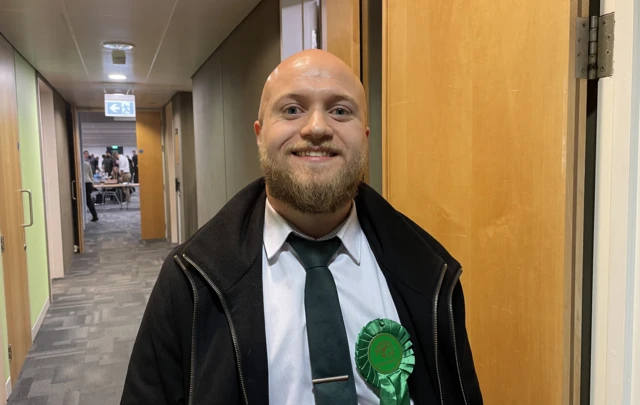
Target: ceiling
(63,40)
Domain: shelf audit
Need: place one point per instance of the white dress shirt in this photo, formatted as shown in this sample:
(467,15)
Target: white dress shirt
(87,172)
(123,162)
(362,290)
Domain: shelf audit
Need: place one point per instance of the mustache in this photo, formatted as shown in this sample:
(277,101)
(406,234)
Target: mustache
(326,146)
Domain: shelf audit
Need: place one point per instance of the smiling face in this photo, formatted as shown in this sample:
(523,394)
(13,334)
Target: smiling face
(312,134)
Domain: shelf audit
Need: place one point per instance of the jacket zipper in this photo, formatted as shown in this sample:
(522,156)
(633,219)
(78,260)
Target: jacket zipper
(193,329)
(453,332)
(435,328)
(232,329)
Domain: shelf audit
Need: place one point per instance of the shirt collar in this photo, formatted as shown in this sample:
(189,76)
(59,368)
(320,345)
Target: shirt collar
(277,230)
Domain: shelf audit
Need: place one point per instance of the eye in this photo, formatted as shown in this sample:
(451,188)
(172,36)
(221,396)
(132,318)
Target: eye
(340,111)
(292,110)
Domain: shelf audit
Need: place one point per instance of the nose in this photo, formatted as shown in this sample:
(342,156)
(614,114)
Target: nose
(317,127)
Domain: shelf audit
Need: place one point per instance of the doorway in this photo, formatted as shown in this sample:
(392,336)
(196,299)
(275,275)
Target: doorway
(111,146)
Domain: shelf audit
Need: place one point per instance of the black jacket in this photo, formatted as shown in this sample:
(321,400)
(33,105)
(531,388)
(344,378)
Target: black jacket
(202,337)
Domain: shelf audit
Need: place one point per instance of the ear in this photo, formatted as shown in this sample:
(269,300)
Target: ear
(257,128)
(367,132)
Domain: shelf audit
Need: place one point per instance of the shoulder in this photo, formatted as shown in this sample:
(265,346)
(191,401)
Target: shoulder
(430,240)
(171,278)
(387,223)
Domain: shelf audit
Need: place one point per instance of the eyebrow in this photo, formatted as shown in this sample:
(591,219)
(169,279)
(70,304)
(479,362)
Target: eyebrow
(332,99)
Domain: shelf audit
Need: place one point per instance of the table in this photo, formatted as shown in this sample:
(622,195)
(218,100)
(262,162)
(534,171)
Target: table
(103,186)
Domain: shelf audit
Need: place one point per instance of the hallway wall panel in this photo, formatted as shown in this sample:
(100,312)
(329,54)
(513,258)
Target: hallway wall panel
(31,167)
(208,116)
(226,97)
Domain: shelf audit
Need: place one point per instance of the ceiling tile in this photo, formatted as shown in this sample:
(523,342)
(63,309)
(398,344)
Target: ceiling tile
(192,38)
(29,5)
(38,29)
(138,10)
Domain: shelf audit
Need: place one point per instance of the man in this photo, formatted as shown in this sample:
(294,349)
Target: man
(88,185)
(107,163)
(134,166)
(93,161)
(125,173)
(259,307)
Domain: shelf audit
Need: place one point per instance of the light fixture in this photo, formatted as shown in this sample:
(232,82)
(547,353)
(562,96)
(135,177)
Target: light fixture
(118,46)
(117,77)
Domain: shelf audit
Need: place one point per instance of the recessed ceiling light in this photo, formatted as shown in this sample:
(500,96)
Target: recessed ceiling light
(117,77)
(118,46)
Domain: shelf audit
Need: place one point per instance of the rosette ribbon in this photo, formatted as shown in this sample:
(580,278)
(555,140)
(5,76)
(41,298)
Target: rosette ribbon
(385,359)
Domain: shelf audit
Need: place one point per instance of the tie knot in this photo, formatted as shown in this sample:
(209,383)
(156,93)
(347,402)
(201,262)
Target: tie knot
(314,253)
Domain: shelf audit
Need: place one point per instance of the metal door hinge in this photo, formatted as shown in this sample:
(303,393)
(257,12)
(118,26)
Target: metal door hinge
(1,243)
(10,353)
(594,46)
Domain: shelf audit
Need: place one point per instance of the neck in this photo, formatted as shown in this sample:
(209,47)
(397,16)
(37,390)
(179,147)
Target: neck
(313,225)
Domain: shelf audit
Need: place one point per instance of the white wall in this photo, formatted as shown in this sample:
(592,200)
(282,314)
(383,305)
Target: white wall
(298,21)
(615,363)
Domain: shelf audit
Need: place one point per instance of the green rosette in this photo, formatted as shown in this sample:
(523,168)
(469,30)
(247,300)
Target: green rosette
(385,359)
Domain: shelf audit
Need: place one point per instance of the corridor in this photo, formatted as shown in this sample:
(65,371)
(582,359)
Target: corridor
(81,353)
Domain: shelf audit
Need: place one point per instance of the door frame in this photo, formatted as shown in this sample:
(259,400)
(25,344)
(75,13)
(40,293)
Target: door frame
(615,352)
(77,163)
(51,190)
(46,205)
(171,198)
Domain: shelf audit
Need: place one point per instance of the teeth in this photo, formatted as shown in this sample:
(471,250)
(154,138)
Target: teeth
(313,153)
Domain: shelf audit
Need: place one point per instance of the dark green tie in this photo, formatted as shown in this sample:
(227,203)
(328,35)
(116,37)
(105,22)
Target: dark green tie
(329,351)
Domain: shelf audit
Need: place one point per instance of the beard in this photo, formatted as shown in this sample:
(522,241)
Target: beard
(306,190)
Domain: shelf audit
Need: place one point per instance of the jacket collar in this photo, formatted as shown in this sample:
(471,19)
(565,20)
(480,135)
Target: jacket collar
(231,242)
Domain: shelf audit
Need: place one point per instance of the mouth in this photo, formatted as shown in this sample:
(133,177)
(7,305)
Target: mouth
(314,154)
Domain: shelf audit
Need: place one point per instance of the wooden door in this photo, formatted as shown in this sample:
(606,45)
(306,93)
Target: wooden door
(14,258)
(481,117)
(149,140)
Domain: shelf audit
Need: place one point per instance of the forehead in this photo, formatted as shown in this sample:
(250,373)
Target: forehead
(316,82)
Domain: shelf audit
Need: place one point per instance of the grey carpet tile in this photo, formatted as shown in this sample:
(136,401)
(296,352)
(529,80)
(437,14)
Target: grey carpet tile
(81,353)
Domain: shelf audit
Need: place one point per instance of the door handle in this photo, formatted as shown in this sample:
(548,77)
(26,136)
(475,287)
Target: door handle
(73,190)
(30,208)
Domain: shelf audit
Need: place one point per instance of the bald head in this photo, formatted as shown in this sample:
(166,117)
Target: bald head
(311,66)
